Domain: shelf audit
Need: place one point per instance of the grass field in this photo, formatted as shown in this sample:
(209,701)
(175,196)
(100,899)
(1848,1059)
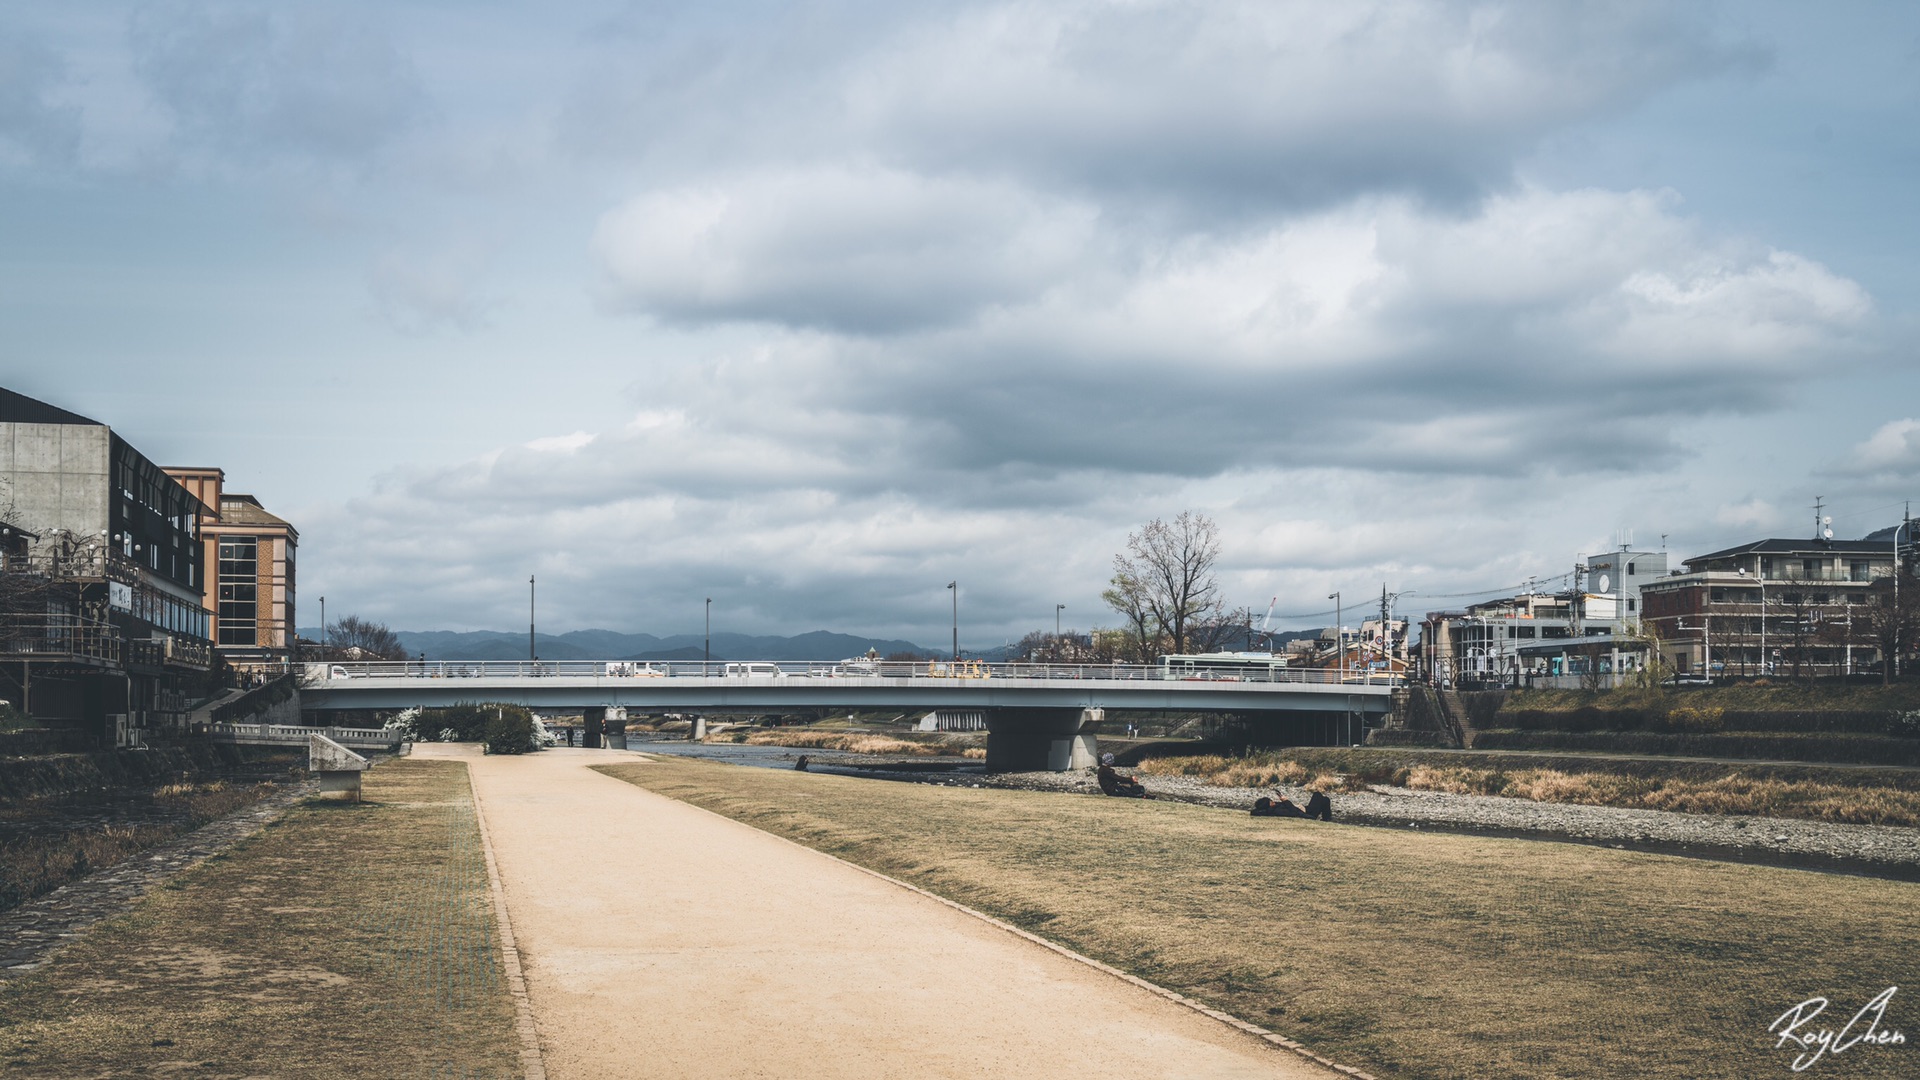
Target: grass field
(1407,954)
(343,942)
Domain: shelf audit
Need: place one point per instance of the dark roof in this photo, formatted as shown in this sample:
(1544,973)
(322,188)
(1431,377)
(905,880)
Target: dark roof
(21,409)
(1799,547)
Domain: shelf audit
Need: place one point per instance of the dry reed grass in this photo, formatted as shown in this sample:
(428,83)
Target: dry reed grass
(862,744)
(41,861)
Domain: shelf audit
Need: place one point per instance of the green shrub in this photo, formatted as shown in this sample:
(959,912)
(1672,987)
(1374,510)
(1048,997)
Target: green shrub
(510,730)
(467,722)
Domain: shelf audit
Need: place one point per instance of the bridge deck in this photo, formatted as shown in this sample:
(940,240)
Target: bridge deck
(673,687)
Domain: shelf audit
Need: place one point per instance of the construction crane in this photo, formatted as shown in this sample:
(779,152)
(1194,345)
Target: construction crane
(1265,621)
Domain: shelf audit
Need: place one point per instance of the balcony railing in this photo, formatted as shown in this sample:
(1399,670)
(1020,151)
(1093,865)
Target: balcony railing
(57,637)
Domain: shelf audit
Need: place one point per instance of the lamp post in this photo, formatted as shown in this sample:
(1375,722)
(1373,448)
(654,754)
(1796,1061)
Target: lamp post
(531,655)
(1893,662)
(323,622)
(954,588)
(706,657)
(1339,634)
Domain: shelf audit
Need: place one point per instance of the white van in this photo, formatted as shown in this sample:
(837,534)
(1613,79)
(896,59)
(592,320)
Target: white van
(754,671)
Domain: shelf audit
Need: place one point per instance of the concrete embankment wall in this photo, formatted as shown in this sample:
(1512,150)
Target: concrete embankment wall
(76,774)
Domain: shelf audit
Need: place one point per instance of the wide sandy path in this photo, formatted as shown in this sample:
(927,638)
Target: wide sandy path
(663,941)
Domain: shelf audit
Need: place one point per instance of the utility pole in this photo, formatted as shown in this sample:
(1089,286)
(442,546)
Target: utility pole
(1339,634)
(1906,526)
(1579,604)
(1385,653)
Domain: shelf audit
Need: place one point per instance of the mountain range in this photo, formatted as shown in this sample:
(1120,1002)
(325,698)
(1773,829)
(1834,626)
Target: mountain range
(612,645)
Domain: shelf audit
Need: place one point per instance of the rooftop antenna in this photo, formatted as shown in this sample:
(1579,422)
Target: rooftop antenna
(1822,526)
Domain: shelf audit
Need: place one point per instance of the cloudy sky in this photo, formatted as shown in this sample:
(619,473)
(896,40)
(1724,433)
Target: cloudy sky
(814,307)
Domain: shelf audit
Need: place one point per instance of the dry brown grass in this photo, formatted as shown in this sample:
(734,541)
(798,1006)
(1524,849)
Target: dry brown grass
(1733,791)
(347,941)
(1411,955)
(45,859)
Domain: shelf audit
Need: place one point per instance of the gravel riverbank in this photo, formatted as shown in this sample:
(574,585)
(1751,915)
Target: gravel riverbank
(1880,850)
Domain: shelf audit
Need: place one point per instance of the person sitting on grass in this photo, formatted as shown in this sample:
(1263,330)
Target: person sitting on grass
(1112,783)
(1319,806)
(1284,807)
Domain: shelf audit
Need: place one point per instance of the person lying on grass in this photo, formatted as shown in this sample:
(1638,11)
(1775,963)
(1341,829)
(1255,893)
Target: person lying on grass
(1319,806)
(1112,783)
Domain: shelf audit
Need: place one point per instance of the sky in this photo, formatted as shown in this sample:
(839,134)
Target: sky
(812,308)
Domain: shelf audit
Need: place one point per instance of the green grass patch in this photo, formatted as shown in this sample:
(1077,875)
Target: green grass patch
(1410,955)
(351,941)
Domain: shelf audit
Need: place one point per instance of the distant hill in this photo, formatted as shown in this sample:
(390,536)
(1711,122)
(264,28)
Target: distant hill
(612,645)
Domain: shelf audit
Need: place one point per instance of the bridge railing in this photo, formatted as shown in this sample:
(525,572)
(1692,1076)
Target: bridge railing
(765,672)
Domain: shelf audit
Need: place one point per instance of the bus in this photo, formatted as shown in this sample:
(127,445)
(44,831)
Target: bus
(1226,667)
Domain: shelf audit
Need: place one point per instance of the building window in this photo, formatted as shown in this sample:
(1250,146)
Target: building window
(239,588)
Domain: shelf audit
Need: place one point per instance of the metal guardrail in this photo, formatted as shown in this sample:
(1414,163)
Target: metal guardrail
(289,734)
(765,673)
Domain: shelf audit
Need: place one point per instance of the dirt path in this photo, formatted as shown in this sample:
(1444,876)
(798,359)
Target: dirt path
(660,940)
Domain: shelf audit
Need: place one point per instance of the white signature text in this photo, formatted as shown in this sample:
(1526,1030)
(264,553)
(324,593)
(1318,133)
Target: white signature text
(1814,1044)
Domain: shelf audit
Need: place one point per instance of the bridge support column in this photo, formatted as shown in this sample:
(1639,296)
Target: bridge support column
(1030,740)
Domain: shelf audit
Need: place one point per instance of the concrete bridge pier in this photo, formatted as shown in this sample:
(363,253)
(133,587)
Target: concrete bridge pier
(1030,740)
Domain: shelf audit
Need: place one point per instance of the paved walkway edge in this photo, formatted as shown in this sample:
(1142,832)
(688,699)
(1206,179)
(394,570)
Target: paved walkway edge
(1272,1038)
(531,1061)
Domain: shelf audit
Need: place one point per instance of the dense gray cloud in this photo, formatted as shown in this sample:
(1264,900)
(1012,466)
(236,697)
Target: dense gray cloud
(1427,339)
(814,307)
(1200,107)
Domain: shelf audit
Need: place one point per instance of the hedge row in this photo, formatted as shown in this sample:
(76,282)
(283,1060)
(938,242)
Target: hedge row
(1691,720)
(1842,748)
(32,778)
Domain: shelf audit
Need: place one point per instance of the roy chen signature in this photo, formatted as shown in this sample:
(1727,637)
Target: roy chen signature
(1867,1028)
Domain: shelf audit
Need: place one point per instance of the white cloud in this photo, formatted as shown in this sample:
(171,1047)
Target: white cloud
(1893,448)
(853,248)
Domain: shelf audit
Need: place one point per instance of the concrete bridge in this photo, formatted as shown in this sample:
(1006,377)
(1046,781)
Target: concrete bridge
(1035,712)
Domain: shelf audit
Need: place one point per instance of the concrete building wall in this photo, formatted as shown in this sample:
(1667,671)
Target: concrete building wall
(60,476)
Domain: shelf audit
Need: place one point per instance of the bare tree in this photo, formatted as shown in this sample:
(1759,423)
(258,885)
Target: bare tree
(1890,618)
(1165,587)
(371,638)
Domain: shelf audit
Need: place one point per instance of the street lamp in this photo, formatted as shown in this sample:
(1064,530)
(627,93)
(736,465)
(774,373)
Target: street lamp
(323,622)
(1339,634)
(1894,660)
(706,658)
(954,588)
(531,656)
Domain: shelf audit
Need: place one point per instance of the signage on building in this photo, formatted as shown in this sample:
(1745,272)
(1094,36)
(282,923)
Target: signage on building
(120,596)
